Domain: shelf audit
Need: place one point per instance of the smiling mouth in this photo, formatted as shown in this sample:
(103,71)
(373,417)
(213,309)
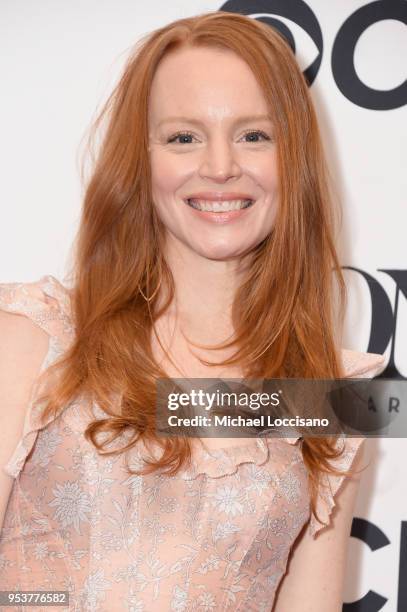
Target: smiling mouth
(219,207)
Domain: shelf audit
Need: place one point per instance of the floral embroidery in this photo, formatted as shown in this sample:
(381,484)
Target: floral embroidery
(227,500)
(71,503)
(214,537)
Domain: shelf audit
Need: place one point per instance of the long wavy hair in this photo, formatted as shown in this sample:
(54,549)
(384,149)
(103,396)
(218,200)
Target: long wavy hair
(290,302)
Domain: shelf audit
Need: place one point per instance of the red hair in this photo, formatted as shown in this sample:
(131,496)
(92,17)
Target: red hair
(283,312)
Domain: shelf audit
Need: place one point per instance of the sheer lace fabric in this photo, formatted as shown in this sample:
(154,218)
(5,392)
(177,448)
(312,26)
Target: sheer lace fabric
(214,537)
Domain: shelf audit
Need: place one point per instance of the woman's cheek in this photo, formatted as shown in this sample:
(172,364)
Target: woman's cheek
(168,170)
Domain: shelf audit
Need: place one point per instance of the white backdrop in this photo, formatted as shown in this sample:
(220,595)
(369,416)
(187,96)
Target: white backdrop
(59,61)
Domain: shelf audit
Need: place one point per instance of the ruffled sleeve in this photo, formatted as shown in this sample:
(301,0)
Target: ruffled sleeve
(357,365)
(47,303)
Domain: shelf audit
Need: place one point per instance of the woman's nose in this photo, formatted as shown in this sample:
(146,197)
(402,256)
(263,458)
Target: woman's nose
(219,161)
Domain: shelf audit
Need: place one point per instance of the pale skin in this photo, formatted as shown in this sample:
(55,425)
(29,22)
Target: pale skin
(226,152)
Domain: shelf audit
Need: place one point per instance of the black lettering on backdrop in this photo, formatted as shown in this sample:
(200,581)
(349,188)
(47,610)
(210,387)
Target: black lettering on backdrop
(371,535)
(296,10)
(343,51)
(375,539)
(384,318)
(343,56)
(402,591)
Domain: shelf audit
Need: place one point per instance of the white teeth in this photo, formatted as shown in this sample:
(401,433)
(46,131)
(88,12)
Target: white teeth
(219,206)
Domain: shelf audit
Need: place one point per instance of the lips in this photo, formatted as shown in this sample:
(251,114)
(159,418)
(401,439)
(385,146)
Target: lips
(218,196)
(216,201)
(219,207)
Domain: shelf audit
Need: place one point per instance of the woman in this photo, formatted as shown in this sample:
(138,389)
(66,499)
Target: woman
(211,114)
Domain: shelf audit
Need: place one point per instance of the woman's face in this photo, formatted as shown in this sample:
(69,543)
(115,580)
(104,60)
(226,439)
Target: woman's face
(205,145)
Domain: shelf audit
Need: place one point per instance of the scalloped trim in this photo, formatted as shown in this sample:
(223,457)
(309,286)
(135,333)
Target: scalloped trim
(332,484)
(54,288)
(225,461)
(51,287)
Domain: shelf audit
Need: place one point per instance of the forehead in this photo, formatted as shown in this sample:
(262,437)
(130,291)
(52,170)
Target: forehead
(202,78)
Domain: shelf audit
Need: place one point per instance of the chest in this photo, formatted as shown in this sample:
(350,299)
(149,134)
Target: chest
(179,358)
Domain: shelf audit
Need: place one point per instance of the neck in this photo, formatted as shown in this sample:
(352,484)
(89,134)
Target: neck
(204,292)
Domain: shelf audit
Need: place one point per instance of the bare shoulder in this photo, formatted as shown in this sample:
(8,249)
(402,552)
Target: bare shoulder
(23,348)
(23,345)
(316,566)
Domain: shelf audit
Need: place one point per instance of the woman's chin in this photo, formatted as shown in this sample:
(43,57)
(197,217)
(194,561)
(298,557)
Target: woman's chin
(222,252)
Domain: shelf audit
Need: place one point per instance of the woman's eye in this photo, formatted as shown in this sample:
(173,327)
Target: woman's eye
(256,133)
(184,136)
(180,135)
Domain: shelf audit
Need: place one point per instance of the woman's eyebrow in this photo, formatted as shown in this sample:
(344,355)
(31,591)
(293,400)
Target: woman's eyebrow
(239,120)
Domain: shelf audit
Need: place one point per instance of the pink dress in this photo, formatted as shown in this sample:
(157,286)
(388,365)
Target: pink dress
(214,537)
